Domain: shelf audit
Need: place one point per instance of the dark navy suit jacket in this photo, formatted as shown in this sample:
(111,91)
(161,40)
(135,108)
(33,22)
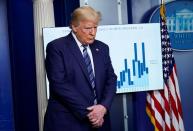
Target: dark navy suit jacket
(70,89)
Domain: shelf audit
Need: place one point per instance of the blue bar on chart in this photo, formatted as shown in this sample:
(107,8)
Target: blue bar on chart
(135,76)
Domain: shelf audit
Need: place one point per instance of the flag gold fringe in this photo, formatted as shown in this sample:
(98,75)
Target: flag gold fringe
(152,118)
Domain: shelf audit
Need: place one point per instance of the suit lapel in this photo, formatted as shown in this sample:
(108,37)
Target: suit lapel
(78,55)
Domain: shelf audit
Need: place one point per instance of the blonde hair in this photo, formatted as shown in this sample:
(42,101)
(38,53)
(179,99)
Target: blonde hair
(84,13)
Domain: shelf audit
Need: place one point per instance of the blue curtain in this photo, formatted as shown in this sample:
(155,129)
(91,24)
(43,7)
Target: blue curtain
(129,11)
(22,54)
(6,107)
(63,10)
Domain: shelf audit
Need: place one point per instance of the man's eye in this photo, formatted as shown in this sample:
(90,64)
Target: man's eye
(88,28)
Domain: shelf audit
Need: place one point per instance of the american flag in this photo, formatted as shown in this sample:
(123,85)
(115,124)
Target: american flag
(164,106)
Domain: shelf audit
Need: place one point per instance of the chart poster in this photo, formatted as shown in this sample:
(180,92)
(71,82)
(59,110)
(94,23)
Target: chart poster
(135,51)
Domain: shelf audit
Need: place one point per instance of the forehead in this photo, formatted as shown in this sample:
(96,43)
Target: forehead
(88,23)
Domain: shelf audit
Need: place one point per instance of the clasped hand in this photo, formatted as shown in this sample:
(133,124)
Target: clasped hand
(96,114)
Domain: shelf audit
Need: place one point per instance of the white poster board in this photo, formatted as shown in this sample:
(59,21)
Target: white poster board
(135,51)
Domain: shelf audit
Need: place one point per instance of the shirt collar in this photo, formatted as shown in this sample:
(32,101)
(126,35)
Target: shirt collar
(77,41)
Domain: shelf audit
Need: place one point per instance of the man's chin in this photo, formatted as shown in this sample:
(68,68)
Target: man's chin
(90,42)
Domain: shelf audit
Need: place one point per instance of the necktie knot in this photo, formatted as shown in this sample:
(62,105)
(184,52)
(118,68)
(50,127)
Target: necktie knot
(84,46)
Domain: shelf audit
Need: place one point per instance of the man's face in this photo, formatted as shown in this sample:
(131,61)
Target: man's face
(86,31)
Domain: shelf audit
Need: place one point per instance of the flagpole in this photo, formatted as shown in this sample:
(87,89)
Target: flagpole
(119,12)
(125,114)
(162,2)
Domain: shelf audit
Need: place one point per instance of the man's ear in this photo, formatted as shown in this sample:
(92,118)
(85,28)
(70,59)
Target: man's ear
(74,28)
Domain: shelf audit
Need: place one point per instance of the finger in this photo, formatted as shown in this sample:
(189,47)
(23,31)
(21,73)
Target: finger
(97,124)
(101,122)
(90,108)
(92,119)
(95,121)
(94,115)
(91,115)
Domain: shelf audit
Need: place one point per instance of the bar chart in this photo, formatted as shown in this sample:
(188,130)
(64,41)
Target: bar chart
(135,76)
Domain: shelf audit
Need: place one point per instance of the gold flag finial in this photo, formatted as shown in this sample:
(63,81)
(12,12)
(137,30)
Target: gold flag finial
(163,10)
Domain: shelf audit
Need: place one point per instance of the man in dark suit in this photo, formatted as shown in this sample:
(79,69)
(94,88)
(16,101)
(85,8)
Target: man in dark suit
(81,77)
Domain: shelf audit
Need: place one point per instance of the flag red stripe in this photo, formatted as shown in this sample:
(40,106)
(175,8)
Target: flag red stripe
(158,105)
(167,128)
(178,97)
(166,103)
(157,124)
(173,100)
(167,107)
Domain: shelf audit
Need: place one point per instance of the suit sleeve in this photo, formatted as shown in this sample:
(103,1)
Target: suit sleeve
(61,87)
(110,82)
